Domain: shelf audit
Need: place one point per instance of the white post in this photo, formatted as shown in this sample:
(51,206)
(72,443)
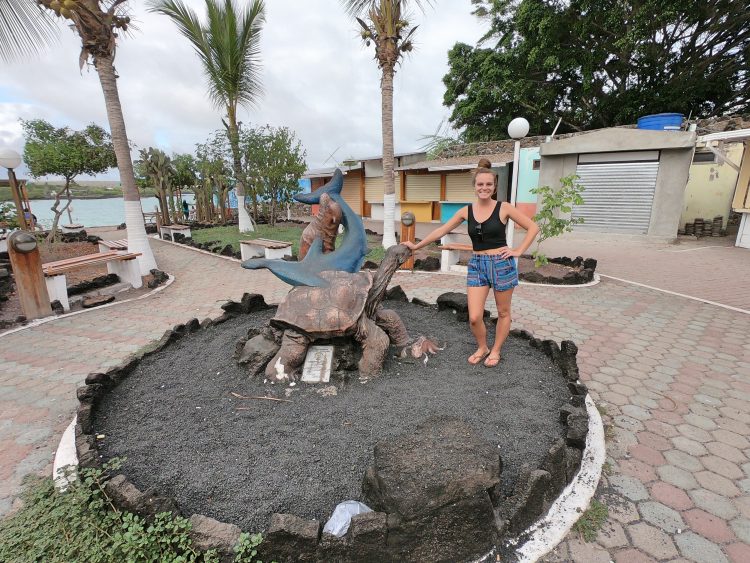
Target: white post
(514,189)
(518,128)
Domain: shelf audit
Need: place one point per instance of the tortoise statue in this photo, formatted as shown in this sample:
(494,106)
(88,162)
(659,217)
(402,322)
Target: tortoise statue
(349,305)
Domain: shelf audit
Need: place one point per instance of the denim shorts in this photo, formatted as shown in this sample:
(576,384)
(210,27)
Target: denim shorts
(491,270)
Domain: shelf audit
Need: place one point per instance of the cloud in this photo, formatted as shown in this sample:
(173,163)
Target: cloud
(318,79)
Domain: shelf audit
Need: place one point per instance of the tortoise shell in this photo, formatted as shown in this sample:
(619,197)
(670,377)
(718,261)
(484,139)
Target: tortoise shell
(324,312)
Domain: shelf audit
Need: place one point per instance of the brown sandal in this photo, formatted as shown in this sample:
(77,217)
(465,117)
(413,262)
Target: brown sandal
(492,361)
(477,357)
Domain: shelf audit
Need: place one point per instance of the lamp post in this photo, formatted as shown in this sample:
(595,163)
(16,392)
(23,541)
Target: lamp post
(517,129)
(10,159)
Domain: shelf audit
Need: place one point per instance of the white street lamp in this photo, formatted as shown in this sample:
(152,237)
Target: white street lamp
(10,159)
(517,129)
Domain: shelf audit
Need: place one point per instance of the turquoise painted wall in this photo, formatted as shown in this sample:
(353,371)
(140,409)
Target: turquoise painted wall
(528,178)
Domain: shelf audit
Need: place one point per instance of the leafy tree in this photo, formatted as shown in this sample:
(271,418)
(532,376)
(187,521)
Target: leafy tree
(386,25)
(214,171)
(97,23)
(51,151)
(598,63)
(157,167)
(228,46)
(24,28)
(185,176)
(275,162)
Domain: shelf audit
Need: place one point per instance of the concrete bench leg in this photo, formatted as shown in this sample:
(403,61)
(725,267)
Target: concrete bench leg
(127,270)
(277,253)
(166,233)
(447,259)
(103,248)
(248,251)
(57,288)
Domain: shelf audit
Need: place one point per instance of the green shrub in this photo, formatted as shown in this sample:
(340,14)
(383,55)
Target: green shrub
(553,203)
(82,524)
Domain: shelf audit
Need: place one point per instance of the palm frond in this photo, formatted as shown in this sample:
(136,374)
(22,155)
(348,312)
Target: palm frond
(25,28)
(228,46)
(358,7)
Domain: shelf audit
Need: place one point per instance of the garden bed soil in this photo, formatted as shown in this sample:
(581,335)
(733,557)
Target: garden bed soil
(182,432)
(549,270)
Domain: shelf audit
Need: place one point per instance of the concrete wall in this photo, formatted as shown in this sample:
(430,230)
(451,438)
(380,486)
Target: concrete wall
(710,187)
(560,158)
(674,165)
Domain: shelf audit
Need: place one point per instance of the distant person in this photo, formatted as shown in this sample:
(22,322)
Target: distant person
(185,209)
(30,217)
(493,263)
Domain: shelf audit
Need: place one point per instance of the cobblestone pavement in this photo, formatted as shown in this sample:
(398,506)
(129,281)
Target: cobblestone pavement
(672,374)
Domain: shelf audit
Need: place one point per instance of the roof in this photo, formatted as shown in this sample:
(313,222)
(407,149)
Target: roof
(619,139)
(326,172)
(459,162)
(737,136)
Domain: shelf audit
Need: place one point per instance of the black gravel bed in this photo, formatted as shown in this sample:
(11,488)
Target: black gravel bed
(183,433)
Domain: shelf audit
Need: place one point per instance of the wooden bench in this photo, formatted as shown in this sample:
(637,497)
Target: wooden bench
(124,264)
(267,248)
(107,245)
(450,250)
(171,230)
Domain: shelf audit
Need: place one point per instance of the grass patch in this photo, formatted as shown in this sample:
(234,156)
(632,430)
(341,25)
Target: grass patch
(285,233)
(591,521)
(82,524)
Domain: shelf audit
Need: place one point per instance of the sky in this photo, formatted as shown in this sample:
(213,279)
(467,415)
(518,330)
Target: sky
(318,79)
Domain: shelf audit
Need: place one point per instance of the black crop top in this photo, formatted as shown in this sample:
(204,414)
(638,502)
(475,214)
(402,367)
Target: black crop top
(489,234)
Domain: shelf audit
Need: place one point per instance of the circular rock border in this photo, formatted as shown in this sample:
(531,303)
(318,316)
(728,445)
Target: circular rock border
(370,535)
(575,277)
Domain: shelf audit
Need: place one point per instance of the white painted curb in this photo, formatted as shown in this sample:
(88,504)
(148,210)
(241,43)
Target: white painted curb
(550,530)
(64,468)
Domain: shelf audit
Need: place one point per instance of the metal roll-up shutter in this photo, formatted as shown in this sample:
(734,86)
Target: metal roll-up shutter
(618,196)
(350,191)
(423,187)
(459,187)
(374,189)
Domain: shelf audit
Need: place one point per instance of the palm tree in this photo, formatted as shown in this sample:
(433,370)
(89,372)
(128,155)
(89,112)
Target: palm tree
(24,28)
(228,46)
(388,28)
(98,23)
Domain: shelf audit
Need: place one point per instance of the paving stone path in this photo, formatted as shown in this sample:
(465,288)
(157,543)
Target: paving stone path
(672,375)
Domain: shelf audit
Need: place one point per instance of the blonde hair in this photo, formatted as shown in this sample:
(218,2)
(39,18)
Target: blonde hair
(483,167)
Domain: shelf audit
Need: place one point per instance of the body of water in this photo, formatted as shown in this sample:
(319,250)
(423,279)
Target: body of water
(93,212)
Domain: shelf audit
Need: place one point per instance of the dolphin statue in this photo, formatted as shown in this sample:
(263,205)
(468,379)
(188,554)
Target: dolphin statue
(348,257)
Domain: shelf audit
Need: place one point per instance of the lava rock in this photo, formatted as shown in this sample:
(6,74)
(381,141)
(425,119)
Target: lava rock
(290,538)
(578,428)
(228,250)
(370,265)
(96,301)
(420,302)
(429,264)
(208,533)
(257,352)
(96,283)
(57,307)
(458,303)
(396,293)
(530,503)
(442,462)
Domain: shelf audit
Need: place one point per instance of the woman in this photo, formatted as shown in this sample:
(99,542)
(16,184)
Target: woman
(493,262)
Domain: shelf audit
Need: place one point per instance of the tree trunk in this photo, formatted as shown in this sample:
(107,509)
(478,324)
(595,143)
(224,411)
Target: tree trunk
(389,184)
(70,200)
(137,241)
(52,235)
(246,224)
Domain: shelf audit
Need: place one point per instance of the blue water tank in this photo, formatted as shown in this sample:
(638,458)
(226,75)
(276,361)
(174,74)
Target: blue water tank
(661,122)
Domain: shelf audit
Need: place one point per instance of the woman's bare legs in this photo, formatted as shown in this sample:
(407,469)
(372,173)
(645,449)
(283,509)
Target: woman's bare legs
(502,300)
(477,297)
